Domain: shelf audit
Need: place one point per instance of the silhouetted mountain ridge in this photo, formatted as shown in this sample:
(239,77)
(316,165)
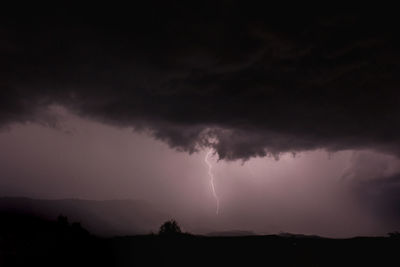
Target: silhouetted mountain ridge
(101,217)
(232,233)
(26,240)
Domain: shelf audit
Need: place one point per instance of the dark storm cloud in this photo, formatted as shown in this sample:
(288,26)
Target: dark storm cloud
(257,80)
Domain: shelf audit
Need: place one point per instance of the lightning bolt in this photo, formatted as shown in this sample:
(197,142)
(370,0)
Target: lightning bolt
(212,179)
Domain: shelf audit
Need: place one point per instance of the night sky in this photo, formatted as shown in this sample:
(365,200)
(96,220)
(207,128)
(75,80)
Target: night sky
(300,109)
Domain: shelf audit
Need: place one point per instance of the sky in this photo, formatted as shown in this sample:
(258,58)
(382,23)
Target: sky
(300,110)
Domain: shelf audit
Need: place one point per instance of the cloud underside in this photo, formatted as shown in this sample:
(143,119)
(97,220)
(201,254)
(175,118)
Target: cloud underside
(245,82)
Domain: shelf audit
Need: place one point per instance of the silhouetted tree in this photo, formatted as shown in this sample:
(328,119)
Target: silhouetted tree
(394,235)
(170,227)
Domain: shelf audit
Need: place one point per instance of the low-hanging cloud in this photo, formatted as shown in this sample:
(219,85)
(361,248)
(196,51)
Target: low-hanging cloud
(255,81)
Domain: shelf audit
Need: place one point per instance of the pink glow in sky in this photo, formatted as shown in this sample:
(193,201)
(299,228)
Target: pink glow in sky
(312,192)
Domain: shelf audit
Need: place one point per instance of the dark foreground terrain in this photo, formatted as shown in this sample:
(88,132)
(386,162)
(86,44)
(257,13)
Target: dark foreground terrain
(30,241)
(105,218)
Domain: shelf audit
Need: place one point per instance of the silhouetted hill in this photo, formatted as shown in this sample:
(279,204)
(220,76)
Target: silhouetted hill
(291,235)
(271,250)
(31,241)
(27,240)
(110,217)
(232,233)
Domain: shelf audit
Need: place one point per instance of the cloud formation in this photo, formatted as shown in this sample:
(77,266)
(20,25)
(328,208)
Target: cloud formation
(256,81)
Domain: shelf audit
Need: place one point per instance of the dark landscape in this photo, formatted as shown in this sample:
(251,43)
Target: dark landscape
(26,240)
(104,218)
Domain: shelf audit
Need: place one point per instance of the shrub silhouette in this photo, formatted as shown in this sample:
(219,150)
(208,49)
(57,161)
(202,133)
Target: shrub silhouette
(170,227)
(394,235)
